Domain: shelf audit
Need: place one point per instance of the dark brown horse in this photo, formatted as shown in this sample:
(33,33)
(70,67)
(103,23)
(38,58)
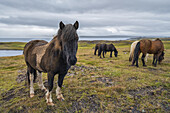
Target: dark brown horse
(152,47)
(55,57)
(104,48)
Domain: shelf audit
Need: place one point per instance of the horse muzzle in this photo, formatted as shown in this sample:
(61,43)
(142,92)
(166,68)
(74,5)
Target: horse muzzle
(72,60)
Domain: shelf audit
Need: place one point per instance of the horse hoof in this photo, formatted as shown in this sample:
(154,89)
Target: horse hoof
(145,65)
(60,98)
(31,95)
(50,104)
(44,89)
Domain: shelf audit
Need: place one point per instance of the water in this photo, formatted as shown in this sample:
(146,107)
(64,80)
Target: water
(5,53)
(87,38)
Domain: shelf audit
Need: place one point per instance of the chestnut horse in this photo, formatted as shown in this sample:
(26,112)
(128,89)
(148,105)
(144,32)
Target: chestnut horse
(55,57)
(105,48)
(152,47)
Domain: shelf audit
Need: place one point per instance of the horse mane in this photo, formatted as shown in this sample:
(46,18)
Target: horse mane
(157,39)
(68,33)
(115,50)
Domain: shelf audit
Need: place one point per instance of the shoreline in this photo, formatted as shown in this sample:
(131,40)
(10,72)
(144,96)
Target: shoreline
(19,45)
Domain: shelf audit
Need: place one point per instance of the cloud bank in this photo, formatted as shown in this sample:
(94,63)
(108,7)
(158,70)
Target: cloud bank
(40,18)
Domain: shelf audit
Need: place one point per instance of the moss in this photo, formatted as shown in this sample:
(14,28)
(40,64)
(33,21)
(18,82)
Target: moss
(96,85)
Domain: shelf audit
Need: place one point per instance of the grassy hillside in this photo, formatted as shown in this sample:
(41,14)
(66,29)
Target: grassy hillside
(12,45)
(93,85)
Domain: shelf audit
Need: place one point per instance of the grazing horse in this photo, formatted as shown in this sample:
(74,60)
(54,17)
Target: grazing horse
(152,47)
(55,57)
(132,48)
(105,48)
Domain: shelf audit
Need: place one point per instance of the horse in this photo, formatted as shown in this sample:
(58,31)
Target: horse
(132,48)
(105,48)
(152,47)
(54,57)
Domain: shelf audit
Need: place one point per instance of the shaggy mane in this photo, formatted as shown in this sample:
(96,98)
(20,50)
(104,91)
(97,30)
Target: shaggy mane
(69,32)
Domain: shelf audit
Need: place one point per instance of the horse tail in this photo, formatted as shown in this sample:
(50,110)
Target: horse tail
(95,50)
(136,52)
(132,48)
(27,80)
(35,76)
(32,71)
(131,53)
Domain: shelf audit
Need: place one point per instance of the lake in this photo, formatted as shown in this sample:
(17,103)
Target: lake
(87,38)
(5,53)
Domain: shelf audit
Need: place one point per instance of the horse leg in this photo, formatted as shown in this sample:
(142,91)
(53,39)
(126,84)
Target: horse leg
(40,81)
(103,54)
(31,77)
(27,80)
(146,57)
(153,59)
(157,58)
(143,61)
(49,90)
(58,90)
(156,61)
(111,54)
(99,52)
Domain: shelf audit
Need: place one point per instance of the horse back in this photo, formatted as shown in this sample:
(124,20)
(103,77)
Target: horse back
(103,47)
(97,46)
(30,47)
(145,45)
(157,46)
(110,47)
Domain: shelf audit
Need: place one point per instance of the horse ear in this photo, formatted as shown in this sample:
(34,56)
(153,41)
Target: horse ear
(62,25)
(76,25)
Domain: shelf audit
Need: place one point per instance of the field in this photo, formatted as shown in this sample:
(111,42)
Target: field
(92,85)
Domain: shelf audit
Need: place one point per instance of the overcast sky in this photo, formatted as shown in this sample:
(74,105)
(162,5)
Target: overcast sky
(40,18)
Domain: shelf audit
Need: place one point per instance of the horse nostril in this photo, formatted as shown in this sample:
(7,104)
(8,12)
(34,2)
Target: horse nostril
(72,60)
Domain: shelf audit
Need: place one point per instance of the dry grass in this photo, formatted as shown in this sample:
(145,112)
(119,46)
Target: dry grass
(93,85)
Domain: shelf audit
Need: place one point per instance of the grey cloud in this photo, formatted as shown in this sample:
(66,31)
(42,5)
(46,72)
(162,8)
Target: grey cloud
(128,16)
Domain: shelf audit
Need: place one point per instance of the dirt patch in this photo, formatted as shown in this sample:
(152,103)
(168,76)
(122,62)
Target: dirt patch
(106,80)
(132,78)
(152,93)
(8,95)
(74,70)
(92,104)
(20,78)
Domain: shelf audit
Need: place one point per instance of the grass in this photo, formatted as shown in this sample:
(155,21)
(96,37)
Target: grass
(93,85)
(12,45)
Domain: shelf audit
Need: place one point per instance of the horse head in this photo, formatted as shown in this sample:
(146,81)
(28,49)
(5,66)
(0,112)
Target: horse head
(69,41)
(161,57)
(115,53)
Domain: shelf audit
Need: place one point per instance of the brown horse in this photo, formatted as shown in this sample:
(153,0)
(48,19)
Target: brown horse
(55,57)
(105,48)
(152,47)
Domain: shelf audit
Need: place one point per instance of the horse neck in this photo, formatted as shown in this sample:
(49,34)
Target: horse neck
(54,44)
(115,50)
